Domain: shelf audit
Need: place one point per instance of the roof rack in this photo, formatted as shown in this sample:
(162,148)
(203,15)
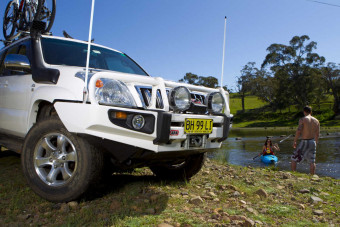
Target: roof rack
(23,34)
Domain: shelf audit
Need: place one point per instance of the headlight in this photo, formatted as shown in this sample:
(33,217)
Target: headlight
(180,98)
(215,102)
(114,92)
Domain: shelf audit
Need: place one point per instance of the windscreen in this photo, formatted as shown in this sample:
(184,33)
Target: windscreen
(64,52)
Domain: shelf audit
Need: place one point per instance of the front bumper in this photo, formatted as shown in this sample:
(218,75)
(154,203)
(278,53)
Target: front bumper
(94,120)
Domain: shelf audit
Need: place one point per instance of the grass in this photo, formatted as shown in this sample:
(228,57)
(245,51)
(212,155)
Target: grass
(250,102)
(258,114)
(140,199)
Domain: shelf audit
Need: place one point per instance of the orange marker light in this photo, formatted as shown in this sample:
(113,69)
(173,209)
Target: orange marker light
(121,115)
(99,84)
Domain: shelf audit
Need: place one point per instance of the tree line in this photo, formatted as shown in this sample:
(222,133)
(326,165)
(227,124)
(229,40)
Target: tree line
(292,74)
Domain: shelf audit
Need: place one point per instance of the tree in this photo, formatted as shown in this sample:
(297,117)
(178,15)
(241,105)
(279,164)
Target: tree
(229,90)
(244,81)
(190,78)
(264,86)
(331,74)
(295,68)
(208,81)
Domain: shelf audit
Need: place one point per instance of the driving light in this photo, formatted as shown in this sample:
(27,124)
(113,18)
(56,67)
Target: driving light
(215,102)
(180,98)
(138,122)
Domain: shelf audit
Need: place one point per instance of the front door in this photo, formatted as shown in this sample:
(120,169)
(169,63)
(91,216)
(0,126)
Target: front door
(15,95)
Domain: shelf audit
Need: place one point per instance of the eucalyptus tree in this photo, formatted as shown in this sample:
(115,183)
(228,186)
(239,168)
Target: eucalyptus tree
(331,74)
(207,81)
(244,82)
(296,69)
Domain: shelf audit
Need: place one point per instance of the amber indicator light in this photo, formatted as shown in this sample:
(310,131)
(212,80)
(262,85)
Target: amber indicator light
(99,84)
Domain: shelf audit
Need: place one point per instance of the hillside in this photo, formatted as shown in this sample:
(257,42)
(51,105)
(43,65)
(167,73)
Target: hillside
(258,114)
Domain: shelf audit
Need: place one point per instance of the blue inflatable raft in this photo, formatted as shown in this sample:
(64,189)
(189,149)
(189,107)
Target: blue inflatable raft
(269,159)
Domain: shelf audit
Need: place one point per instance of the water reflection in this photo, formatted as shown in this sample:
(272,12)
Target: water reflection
(242,152)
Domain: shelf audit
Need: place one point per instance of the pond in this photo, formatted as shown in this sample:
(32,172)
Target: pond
(244,144)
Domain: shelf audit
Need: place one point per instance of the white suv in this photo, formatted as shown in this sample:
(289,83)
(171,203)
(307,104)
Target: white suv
(128,119)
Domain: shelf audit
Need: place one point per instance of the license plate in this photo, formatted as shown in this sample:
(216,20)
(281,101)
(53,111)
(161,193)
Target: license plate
(198,126)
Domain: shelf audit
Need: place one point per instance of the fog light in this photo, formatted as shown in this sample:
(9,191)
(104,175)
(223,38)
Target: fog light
(138,122)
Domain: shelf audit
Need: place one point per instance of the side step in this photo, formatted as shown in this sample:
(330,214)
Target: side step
(12,143)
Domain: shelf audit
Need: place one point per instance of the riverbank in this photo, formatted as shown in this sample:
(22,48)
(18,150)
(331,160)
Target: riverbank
(220,195)
(254,119)
(258,113)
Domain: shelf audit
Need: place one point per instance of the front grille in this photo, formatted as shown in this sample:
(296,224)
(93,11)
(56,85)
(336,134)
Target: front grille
(198,98)
(145,94)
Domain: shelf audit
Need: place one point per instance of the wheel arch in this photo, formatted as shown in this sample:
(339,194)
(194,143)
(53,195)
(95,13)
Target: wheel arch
(44,96)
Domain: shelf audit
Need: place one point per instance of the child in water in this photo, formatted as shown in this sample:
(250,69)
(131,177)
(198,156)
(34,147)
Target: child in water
(268,147)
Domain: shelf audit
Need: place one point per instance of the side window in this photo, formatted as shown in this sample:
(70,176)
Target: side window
(22,50)
(12,50)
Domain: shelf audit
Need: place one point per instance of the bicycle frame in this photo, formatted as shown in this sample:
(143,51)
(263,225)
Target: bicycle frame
(21,4)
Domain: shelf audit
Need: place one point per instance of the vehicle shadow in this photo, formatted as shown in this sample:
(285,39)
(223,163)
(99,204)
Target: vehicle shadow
(8,153)
(119,196)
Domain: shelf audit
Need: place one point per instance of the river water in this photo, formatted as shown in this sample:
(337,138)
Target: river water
(244,144)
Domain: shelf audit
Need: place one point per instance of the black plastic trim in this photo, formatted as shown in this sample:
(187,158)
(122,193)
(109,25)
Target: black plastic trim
(197,109)
(148,128)
(226,127)
(40,73)
(163,127)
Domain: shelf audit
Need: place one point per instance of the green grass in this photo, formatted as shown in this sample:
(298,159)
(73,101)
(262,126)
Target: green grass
(258,114)
(250,102)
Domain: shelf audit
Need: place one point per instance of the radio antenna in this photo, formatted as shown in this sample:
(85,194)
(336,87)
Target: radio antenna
(225,29)
(86,92)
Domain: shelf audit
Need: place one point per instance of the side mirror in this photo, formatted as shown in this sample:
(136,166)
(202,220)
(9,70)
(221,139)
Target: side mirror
(17,62)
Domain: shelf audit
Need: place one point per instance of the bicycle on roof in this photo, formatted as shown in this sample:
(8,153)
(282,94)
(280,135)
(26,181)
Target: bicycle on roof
(19,15)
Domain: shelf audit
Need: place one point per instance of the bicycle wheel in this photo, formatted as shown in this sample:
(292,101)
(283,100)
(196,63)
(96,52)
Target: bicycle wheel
(10,20)
(46,12)
(29,12)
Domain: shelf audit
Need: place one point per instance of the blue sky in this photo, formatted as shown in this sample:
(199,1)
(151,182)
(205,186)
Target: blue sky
(169,38)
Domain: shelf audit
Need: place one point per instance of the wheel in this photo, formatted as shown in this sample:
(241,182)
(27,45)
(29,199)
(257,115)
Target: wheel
(180,171)
(29,12)
(46,12)
(59,166)
(10,20)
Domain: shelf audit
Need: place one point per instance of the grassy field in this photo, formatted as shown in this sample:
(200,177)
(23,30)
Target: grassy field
(220,195)
(257,114)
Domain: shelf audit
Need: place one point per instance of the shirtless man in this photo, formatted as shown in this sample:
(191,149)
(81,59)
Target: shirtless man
(309,129)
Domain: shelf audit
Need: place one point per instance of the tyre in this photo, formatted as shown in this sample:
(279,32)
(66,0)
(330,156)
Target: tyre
(182,171)
(46,12)
(47,111)
(59,166)
(29,11)
(10,20)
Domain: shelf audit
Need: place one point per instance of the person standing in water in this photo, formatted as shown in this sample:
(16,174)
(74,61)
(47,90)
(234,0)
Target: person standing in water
(309,130)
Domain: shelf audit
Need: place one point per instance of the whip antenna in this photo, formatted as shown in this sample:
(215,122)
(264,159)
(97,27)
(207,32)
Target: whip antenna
(225,29)
(86,92)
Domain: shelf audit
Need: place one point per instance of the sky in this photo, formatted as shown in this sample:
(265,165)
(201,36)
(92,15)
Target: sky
(169,38)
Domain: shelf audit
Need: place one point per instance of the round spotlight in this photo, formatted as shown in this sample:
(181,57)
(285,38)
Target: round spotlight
(215,102)
(180,98)
(138,122)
